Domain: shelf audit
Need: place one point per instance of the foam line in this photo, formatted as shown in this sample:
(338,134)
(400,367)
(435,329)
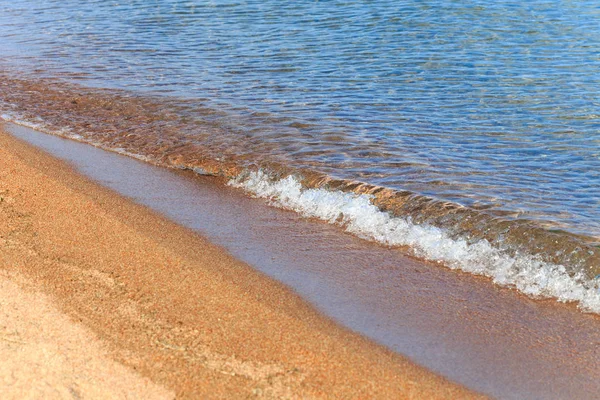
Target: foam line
(357,214)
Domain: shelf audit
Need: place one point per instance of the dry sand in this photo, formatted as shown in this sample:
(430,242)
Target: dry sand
(100,297)
(46,355)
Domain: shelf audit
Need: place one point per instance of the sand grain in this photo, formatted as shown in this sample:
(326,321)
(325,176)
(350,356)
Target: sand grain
(170,308)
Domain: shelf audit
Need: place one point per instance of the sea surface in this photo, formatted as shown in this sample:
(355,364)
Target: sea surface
(466,133)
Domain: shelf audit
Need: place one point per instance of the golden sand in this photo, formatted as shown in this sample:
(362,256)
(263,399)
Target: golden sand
(100,297)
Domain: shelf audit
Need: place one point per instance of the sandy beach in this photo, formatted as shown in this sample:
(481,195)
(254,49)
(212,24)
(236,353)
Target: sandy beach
(103,298)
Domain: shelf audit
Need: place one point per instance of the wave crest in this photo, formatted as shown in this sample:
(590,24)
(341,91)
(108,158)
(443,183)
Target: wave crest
(357,214)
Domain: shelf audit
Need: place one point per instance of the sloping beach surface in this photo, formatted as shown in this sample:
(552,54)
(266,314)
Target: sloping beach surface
(45,354)
(463,327)
(473,125)
(539,261)
(132,288)
(451,148)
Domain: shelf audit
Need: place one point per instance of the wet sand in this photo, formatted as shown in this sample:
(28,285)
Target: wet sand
(123,286)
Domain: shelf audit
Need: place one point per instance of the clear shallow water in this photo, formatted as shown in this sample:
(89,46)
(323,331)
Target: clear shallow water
(489,106)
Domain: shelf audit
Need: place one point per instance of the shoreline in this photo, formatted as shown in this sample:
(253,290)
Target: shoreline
(558,264)
(493,340)
(539,262)
(175,308)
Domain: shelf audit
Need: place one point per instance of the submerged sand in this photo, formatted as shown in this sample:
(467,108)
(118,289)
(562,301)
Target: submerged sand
(100,297)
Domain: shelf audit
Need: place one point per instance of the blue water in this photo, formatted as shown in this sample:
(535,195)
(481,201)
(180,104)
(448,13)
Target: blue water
(493,105)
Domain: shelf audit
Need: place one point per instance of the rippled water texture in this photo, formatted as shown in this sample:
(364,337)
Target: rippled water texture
(493,105)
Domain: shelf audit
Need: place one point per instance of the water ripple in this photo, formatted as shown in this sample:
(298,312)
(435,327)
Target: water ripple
(490,105)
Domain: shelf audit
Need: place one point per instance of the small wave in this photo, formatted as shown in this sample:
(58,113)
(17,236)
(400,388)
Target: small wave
(513,252)
(357,214)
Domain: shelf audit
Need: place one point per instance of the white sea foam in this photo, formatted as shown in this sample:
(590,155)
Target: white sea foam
(358,215)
